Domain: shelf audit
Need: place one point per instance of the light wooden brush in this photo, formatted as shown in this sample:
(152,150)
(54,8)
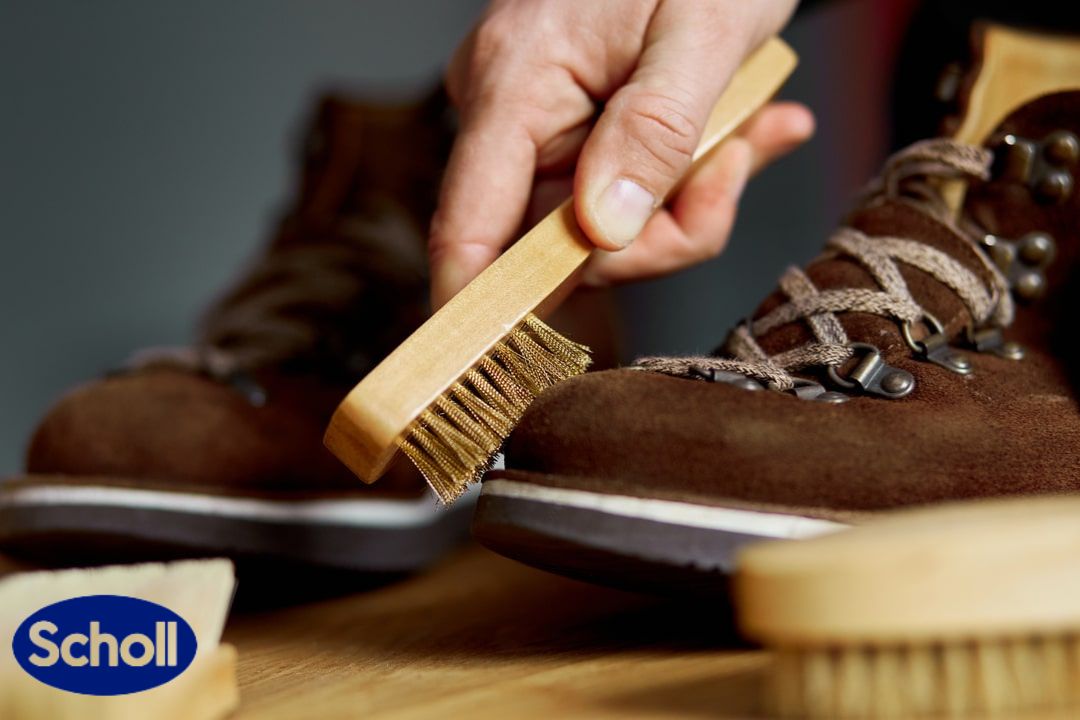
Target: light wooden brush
(452,392)
(966,610)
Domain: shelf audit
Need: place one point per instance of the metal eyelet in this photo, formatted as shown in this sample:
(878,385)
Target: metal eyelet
(1045,166)
(802,389)
(725,376)
(1023,261)
(872,375)
(810,390)
(245,384)
(935,347)
(991,340)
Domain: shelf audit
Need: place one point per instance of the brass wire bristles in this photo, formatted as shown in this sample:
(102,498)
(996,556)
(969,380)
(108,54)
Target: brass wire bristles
(454,441)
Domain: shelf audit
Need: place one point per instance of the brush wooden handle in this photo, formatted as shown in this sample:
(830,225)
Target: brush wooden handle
(364,430)
(982,568)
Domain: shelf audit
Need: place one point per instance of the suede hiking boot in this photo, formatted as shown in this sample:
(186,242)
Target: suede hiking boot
(217,449)
(921,358)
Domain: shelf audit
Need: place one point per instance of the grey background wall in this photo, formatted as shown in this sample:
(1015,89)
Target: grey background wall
(144,148)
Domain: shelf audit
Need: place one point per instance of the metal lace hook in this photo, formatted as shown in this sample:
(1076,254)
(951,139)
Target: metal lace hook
(873,375)
(990,339)
(935,347)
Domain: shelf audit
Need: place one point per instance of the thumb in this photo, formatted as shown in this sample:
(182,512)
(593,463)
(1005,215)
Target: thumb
(644,140)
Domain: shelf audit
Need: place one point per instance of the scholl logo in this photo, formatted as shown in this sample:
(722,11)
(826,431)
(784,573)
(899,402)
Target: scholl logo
(104,645)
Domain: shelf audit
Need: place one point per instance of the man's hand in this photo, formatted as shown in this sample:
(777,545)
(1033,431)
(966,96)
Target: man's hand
(529,80)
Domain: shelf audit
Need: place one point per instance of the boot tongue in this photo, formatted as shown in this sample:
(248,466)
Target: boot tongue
(344,279)
(892,218)
(357,154)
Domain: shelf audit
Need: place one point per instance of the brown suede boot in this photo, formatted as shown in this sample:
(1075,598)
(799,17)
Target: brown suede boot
(894,370)
(217,449)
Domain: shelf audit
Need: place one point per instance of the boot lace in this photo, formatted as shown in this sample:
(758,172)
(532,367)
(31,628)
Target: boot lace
(913,175)
(328,301)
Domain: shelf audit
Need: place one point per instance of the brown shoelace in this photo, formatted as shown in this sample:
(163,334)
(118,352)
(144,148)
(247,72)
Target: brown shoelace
(298,300)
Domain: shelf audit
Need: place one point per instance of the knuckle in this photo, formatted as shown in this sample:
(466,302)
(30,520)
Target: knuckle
(663,128)
(492,67)
(454,84)
(699,249)
(446,242)
(493,38)
(438,239)
(717,19)
(436,249)
(713,247)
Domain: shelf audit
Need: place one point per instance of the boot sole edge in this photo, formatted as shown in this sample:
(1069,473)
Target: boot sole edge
(379,535)
(658,546)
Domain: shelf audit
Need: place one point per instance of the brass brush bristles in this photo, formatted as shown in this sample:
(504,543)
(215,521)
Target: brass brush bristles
(455,440)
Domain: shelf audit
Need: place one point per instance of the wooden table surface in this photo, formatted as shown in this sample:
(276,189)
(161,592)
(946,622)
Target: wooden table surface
(479,636)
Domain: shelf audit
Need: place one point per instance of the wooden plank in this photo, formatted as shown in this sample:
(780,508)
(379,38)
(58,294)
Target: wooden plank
(485,637)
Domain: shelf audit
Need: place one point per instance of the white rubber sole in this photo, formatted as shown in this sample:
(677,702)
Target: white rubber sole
(90,522)
(742,522)
(661,546)
(378,513)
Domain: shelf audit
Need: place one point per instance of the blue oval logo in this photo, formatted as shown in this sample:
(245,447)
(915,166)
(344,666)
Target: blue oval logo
(104,645)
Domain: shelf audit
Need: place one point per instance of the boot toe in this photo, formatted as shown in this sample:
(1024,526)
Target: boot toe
(648,435)
(625,430)
(151,424)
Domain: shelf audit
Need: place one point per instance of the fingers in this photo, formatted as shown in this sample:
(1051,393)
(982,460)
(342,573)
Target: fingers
(481,204)
(526,81)
(519,115)
(644,140)
(695,227)
(776,130)
(699,220)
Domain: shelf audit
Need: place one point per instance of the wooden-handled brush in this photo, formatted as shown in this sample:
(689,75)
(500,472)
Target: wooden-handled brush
(452,392)
(957,611)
